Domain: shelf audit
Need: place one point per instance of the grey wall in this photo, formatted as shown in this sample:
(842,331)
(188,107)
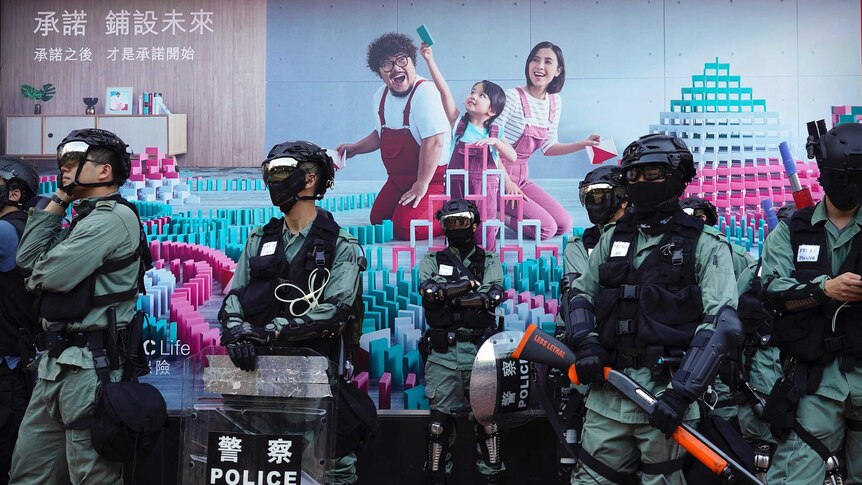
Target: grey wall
(625,60)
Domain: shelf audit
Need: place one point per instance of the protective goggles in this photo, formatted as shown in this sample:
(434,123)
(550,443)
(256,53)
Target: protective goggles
(458,220)
(650,173)
(595,193)
(71,153)
(278,169)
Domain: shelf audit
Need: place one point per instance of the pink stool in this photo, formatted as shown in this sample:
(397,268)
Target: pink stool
(519,207)
(507,249)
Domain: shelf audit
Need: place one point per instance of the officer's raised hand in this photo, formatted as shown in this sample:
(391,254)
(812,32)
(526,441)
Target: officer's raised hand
(844,287)
(669,411)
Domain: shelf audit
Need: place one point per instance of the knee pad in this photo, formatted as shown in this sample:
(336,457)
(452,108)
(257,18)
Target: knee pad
(440,427)
(489,443)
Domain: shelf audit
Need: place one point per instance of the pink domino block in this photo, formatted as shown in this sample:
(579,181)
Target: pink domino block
(384,391)
(188,269)
(361,381)
(524,297)
(152,151)
(172,175)
(537,301)
(433,205)
(551,307)
(212,338)
(841,110)
(137,177)
(509,249)
(402,248)
(707,172)
(410,381)
(205,291)
(519,207)
(510,294)
(153,176)
(555,250)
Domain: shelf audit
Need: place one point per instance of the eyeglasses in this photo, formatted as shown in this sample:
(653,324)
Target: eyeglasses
(389,64)
(650,173)
(458,220)
(278,169)
(595,193)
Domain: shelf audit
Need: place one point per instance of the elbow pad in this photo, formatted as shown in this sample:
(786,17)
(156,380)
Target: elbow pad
(708,350)
(794,299)
(495,296)
(580,319)
(431,291)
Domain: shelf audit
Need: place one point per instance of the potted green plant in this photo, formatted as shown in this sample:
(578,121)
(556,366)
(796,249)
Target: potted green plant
(44,94)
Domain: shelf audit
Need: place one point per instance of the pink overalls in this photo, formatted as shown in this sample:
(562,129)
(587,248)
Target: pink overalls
(400,154)
(554,218)
(488,206)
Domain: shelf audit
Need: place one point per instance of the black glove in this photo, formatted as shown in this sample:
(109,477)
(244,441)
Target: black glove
(670,409)
(566,283)
(590,360)
(242,355)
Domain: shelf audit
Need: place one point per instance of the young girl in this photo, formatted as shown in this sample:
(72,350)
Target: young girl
(531,118)
(475,127)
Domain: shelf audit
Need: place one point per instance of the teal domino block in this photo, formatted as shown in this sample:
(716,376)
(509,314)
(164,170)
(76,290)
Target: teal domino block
(384,315)
(540,287)
(379,232)
(414,277)
(385,276)
(376,316)
(413,362)
(391,292)
(353,230)
(378,295)
(377,357)
(369,326)
(395,363)
(404,288)
(388,228)
(368,301)
(507,282)
(414,398)
(549,326)
(402,302)
(360,234)
(370,280)
(524,285)
(415,299)
(379,252)
(399,274)
(371,236)
(392,309)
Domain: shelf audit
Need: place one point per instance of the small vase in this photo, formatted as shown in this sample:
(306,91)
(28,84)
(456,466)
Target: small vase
(91,110)
(37,110)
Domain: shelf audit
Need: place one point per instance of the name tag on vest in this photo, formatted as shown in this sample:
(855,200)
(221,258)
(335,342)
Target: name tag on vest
(589,251)
(445,270)
(807,253)
(268,248)
(620,248)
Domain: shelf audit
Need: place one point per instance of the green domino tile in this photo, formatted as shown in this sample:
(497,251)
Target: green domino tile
(414,398)
(395,363)
(377,357)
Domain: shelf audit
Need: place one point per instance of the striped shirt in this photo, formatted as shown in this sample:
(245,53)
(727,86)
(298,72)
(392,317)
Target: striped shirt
(511,121)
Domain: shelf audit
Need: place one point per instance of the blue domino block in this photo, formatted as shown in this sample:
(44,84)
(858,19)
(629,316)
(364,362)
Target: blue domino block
(411,340)
(508,307)
(535,315)
(395,363)
(515,324)
(523,311)
(414,398)
(377,357)
(413,363)
(419,315)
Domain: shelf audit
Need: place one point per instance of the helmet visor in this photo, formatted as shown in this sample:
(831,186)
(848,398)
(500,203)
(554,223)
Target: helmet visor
(458,220)
(71,153)
(278,169)
(595,193)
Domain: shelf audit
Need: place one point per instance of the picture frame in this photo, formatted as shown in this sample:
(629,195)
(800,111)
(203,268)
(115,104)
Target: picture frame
(118,101)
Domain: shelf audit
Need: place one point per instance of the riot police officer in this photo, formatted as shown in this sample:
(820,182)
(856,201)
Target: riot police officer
(89,277)
(19,183)
(461,288)
(811,269)
(659,284)
(603,195)
(297,281)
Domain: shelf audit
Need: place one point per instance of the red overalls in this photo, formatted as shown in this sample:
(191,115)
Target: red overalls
(400,154)
(488,206)
(554,218)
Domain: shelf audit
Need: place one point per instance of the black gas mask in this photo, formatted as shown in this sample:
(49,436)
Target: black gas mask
(844,189)
(651,194)
(601,201)
(285,179)
(459,230)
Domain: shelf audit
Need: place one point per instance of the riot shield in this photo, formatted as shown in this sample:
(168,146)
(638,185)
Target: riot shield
(501,386)
(273,425)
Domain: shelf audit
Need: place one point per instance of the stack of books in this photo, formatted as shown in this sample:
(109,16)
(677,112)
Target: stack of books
(150,103)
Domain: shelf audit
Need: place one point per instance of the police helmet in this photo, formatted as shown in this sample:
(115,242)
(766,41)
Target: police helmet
(286,157)
(657,150)
(19,174)
(606,179)
(840,149)
(695,206)
(77,145)
(458,214)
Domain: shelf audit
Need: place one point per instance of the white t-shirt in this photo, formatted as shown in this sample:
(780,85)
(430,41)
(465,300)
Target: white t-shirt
(427,117)
(511,121)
